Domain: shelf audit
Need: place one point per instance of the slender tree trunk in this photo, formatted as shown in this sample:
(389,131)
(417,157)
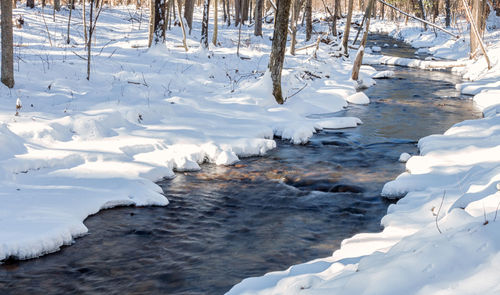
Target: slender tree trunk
(44,3)
(179,4)
(447,4)
(422,11)
(7,44)
(29,3)
(204,24)
(293,21)
(228,7)
(345,37)
(308,16)
(89,44)
(214,36)
(224,9)
(258,18)
(335,17)
(71,7)
(188,13)
(359,57)
(57,5)
(84,16)
(277,57)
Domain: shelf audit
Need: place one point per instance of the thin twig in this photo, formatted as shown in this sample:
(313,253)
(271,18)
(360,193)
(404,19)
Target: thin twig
(305,85)
(439,210)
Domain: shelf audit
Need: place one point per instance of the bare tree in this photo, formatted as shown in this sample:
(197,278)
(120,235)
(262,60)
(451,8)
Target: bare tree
(156,22)
(179,4)
(345,37)
(204,23)
(7,44)
(258,18)
(293,25)
(29,3)
(447,4)
(71,7)
(188,13)
(308,15)
(277,57)
(359,57)
(92,25)
(214,36)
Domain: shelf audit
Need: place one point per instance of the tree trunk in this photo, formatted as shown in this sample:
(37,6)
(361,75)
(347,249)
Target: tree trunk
(237,12)
(204,24)
(84,16)
(89,44)
(335,17)
(57,5)
(478,7)
(359,57)
(345,38)
(258,17)
(179,4)
(277,56)
(156,22)
(7,44)
(188,13)
(244,11)
(293,21)
(447,4)
(422,11)
(29,3)
(214,36)
(308,15)
(71,7)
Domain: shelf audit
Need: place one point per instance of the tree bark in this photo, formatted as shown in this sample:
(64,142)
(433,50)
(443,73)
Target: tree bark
(258,18)
(57,5)
(204,24)
(244,11)
(447,18)
(308,15)
(188,13)
(293,25)
(359,57)
(477,16)
(7,44)
(214,36)
(156,22)
(179,4)
(345,37)
(237,12)
(71,7)
(277,56)
(29,3)
(336,15)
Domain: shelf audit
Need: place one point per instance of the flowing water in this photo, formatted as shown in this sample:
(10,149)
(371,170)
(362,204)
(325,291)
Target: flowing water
(266,213)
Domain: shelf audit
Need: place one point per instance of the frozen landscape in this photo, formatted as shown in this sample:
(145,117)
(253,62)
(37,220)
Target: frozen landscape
(78,146)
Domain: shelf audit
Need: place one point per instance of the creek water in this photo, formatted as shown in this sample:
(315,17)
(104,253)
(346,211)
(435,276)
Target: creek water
(224,224)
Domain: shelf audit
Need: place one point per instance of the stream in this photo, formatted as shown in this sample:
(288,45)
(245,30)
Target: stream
(264,214)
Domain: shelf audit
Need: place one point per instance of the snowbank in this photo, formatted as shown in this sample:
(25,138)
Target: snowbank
(80,146)
(442,237)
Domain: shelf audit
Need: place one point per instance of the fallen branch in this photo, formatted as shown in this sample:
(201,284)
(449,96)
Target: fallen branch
(419,19)
(476,33)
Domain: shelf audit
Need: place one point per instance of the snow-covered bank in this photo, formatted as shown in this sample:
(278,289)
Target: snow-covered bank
(80,146)
(442,237)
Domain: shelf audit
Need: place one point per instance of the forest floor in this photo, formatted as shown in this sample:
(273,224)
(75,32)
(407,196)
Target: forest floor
(78,146)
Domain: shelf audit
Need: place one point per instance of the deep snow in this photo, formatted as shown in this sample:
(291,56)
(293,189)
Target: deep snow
(442,237)
(80,146)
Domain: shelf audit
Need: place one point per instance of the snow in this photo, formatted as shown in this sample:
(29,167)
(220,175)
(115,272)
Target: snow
(441,237)
(376,48)
(358,98)
(404,157)
(77,146)
(383,75)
